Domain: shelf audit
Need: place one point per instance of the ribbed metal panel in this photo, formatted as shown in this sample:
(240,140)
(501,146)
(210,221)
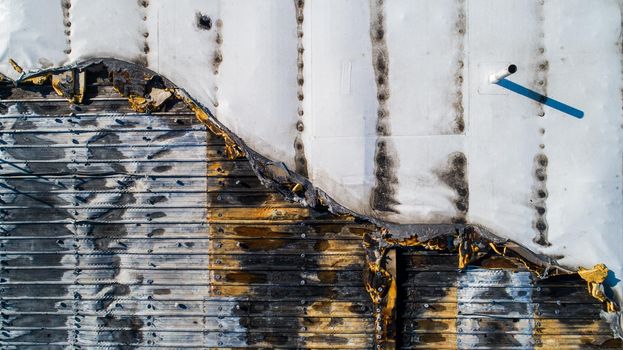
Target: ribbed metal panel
(124,230)
(502,307)
(128,230)
(104,226)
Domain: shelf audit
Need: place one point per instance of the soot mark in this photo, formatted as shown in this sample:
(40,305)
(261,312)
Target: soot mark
(455,176)
(299,157)
(539,198)
(204,22)
(542,64)
(383,193)
(142,59)
(129,337)
(217,56)
(300,162)
(460,27)
(66,6)
(411,318)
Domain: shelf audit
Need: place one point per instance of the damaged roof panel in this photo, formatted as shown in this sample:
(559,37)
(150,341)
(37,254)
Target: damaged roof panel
(483,155)
(146,232)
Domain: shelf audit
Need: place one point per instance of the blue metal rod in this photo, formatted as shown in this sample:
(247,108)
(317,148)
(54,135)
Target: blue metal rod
(541,98)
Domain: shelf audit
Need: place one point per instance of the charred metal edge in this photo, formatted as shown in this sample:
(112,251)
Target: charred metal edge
(297,188)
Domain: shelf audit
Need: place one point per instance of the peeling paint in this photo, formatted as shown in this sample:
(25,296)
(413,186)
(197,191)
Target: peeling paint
(15,66)
(595,278)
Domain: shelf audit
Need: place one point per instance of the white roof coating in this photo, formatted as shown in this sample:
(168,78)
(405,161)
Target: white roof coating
(382,104)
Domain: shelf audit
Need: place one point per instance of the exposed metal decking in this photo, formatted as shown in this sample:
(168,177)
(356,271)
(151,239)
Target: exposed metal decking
(141,233)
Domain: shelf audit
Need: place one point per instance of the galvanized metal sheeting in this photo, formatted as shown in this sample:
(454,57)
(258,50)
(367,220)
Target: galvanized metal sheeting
(130,230)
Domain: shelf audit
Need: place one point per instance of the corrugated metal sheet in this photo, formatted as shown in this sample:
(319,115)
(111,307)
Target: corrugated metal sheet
(125,230)
(133,230)
(441,307)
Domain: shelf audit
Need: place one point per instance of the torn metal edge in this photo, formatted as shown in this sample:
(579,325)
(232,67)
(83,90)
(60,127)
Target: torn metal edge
(470,240)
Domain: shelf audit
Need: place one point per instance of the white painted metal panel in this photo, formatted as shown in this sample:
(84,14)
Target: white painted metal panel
(32,34)
(107,28)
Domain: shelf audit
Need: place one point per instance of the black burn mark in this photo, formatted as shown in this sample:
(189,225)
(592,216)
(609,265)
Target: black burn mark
(383,193)
(542,64)
(103,239)
(460,27)
(129,338)
(259,267)
(204,22)
(299,156)
(384,190)
(30,139)
(412,320)
(142,60)
(539,199)
(66,6)
(217,56)
(300,162)
(455,176)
